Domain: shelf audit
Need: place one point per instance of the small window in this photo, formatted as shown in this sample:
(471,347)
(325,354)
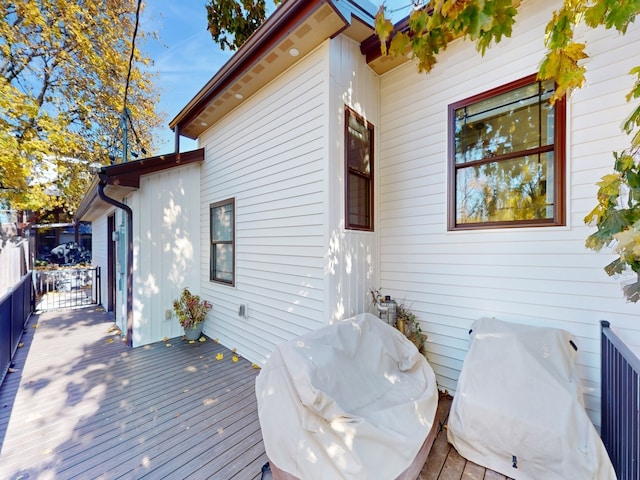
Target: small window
(506,158)
(359,172)
(222,241)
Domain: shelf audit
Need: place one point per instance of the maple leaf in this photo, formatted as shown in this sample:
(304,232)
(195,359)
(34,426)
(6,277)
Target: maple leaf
(384,29)
(234,359)
(219,356)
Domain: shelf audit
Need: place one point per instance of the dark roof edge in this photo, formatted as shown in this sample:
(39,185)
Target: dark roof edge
(128,174)
(370,48)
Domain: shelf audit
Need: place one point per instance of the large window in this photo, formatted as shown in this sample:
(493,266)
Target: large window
(359,172)
(506,158)
(222,241)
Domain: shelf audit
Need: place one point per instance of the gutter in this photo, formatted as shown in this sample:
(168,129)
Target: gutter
(103,182)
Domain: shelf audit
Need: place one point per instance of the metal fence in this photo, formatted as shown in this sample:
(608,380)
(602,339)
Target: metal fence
(66,288)
(620,429)
(15,308)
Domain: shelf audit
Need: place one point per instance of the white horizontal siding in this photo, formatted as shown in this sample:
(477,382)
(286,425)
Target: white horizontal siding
(270,155)
(541,276)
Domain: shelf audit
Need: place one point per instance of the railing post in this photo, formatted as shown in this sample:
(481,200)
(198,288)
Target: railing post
(620,404)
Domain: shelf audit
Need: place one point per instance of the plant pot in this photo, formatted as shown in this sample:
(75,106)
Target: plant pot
(193,333)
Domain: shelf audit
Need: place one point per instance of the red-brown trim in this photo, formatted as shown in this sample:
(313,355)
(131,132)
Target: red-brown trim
(347,112)
(128,174)
(370,48)
(560,164)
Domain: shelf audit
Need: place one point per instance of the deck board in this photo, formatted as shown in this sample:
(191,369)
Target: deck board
(81,404)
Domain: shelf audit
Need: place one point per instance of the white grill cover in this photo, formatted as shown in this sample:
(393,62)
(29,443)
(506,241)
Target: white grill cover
(519,400)
(351,400)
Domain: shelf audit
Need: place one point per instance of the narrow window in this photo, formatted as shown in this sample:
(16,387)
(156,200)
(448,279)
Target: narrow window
(506,158)
(222,241)
(359,172)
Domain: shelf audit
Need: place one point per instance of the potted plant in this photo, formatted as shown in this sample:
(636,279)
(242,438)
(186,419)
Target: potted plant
(191,312)
(408,323)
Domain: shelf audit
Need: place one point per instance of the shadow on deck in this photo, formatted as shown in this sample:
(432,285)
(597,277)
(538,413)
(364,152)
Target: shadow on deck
(80,404)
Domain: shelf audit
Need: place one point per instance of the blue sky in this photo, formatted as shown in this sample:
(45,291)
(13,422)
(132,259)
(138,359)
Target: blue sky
(186,57)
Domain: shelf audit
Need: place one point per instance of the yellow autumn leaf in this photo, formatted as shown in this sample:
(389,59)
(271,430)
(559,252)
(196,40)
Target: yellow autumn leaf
(58,94)
(165,339)
(256,366)
(34,326)
(167,344)
(192,341)
(109,340)
(234,359)
(216,340)
(233,350)
(202,339)
(219,356)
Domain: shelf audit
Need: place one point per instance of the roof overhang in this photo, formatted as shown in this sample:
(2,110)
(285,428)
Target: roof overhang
(122,179)
(291,32)
(372,52)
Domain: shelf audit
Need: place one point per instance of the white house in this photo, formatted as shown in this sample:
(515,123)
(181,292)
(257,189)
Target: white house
(329,170)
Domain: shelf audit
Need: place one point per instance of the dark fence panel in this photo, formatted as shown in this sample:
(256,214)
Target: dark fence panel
(15,308)
(66,288)
(620,429)
(5,334)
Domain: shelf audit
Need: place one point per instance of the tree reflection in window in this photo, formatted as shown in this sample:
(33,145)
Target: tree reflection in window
(506,157)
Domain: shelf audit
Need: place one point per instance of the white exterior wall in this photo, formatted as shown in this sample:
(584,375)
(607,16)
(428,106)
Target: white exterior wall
(541,276)
(99,249)
(352,254)
(281,156)
(166,236)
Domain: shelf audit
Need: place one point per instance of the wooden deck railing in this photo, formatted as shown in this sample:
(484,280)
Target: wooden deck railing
(15,308)
(620,429)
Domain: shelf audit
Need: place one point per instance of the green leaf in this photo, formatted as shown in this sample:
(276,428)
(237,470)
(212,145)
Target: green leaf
(632,291)
(384,29)
(618,266)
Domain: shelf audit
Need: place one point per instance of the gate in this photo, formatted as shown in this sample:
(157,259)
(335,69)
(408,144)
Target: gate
(66,288)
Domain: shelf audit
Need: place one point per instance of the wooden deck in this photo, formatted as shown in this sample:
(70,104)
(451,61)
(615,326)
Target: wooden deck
(80,404)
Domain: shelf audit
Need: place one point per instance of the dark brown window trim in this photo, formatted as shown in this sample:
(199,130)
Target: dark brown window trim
(560,148)
(232,242)
(348,225)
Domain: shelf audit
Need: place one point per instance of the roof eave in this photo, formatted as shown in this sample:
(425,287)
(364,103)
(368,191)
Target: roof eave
(124,178)
(279,30)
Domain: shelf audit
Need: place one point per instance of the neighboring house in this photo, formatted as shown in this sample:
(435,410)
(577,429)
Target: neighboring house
(329,170)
